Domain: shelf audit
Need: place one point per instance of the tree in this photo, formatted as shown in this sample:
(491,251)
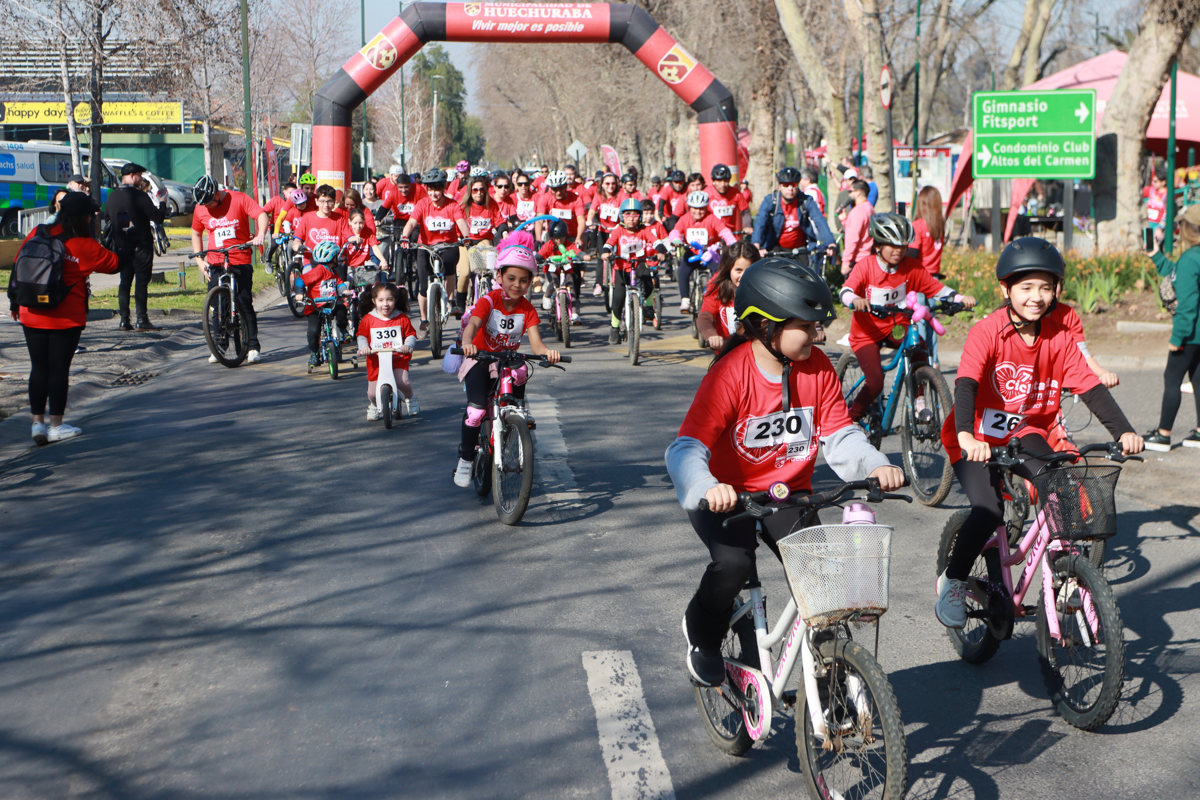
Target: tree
(864,17)
(1164,27)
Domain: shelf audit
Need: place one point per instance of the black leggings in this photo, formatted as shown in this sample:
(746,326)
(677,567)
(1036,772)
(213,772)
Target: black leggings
(314,325)
(872,369)
(50,354)
(449,255)
(1185,361)
(983,486)
(244,275)
(620,281)
(732,553)
(478,382)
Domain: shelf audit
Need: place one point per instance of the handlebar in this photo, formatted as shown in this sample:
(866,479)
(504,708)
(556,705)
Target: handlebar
(780,497)
(223,250)
(509,357)
(1010,454)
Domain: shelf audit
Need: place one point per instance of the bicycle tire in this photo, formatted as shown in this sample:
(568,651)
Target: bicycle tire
(1016,509)
(856,762)
(925,461)
(658,309)
(1086,703)
(481,466)
(564,316)
(332,355)
(699,282)
(385,405)
(512,478)
(974,642)
(633,324)
(723,721)
(433,304)
(294,305)
(226,331)
(281,278)
(850,376)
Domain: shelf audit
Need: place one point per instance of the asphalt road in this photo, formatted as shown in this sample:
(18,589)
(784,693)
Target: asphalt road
(233,586)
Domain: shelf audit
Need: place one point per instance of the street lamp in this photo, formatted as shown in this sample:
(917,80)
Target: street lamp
(433,132)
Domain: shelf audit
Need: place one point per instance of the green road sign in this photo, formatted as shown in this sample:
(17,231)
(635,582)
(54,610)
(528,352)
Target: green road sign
(1046,134)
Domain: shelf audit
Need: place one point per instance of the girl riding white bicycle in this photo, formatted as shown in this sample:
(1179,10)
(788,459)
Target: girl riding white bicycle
(756,419)
(398,335)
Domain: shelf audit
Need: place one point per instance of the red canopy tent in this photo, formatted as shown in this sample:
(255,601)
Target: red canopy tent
(1099,73)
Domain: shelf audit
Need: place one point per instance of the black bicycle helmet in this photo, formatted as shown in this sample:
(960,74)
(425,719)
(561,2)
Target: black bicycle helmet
(892,229)
(779,289)
(415,177)
(677,176)
(628,178)
(434,176)
(720,172)
(204,190)
(788,175)
(558,229)
(1030,254)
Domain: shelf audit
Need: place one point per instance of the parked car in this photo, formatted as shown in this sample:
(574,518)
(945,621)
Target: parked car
(179,197)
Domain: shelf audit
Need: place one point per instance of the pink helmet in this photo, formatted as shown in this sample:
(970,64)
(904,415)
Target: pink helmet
(517,256)
(298,197)
(462,166)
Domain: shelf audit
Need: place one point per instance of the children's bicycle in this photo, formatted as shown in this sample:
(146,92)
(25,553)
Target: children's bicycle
(926,400)
(560,270)
(481,260)
(226,322)
(383,344)
(698,284)
(1079,632)
(503,463)
(849,735)
(329,349)
(642,278)
(437,303)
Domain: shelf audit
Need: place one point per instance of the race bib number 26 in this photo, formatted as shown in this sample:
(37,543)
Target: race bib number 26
(793,428)
(998,424)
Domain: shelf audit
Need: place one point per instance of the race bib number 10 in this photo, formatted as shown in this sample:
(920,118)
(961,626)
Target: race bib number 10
(884,296)
(793,428)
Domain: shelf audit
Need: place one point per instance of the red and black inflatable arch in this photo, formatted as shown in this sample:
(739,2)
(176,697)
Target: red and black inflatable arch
(518,22)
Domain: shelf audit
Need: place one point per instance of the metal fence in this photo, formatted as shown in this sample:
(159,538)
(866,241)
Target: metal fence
(28,219)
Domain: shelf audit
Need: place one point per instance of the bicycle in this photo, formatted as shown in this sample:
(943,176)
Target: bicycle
(698,284)
(226,323)
(927,400)
(481,258)
(279,266)
(561,270)
(849,735)
(387,394)
(1079,632)
(437,303)
(400,258)
(633,314)
(329,349)
(503,462)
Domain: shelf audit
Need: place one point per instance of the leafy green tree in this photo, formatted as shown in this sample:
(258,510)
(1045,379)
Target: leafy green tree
(459,135)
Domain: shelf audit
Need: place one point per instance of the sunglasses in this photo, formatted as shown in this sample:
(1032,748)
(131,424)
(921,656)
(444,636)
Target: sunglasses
(522,183)
(791,184)
(500,186)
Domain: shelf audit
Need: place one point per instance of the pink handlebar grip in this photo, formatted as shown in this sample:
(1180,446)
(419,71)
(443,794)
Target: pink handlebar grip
(921,311)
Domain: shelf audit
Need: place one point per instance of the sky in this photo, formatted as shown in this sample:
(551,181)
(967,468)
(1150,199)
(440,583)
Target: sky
(380,12)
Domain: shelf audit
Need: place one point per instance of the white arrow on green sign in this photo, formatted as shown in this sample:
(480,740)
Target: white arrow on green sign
(1046,134)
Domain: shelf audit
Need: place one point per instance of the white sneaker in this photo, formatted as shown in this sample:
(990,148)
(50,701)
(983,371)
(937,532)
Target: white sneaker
(39,433)
(253,357)
(1187,388)
(373,412)
(685,306)
(844,341)
(547,302)
(64,431)
(462,474)
(212,359)
(951,607)
(410,405)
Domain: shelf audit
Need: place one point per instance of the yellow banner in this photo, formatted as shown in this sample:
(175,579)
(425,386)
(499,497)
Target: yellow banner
(115,113)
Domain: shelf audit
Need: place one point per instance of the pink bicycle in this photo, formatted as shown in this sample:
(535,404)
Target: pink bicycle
(1079,631)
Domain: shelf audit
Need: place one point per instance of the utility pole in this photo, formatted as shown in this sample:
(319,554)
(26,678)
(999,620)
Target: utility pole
(916,133)
(362,18)
(246,101)
(433,148)
(403,136)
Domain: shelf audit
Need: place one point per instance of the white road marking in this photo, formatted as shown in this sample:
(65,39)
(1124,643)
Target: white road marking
(628,741)
(552,472)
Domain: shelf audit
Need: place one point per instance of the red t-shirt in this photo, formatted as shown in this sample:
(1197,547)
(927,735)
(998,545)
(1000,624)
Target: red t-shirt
(1020,385)
(586,192)
(627,244)
(708,230)
(393,333)
(815,193)
(727,207)
(502,330)
(227,224)
(676,202)
(569,210)
(525,209)
(607,211)
(1156,205)
(312,229)
(724,315)
(358,254)
(318,282)
(277,208)
(738,415)
(291,218)
(482,220)
(368,219)
(84,256)
(748,196)
(792,234)
(636,194)
(399,203)
(868,280)
(437,224)
(931,251)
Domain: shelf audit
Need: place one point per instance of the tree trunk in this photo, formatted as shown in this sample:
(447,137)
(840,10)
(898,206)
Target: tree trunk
(761,162)
(72,132)
(831,97)
(1012,72)
(864,19)
(1164,27)
(95,166)
(1037,35)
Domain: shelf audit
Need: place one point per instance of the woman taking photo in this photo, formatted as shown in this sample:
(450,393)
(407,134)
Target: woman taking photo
(53,334)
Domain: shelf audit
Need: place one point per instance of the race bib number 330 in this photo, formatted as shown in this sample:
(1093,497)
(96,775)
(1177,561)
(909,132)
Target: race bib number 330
(793,428)
(385,338)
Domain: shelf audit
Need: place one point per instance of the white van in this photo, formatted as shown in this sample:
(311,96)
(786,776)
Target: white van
(30,172)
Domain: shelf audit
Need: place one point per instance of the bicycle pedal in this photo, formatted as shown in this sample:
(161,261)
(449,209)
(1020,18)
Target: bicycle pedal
(789,698)
(1028,611)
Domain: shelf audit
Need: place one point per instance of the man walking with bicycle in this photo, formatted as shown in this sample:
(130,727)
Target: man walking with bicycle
(225,214)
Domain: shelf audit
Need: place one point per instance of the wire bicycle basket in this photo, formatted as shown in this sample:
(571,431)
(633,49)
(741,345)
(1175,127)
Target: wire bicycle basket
(1078,500)
(838,571)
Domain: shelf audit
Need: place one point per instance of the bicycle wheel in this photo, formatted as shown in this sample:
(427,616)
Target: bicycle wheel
(722,717)
(281,276)
(974,642)
(294,305)
(332,355)
(564,318)
(925,461)
(1016,510)
(850,376)
(434,305)
(512,481)
(1084,669)
(658,309)
(865,755)
(633,324)
(481,467)
(385,405)
(226,330)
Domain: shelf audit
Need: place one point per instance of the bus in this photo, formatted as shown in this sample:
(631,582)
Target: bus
(30,172)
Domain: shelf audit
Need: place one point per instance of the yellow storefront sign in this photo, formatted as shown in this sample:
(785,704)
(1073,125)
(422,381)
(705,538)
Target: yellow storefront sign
(115,113)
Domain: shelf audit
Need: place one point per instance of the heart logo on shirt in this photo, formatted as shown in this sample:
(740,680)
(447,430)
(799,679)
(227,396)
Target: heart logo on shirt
(756,455)
(1013,381)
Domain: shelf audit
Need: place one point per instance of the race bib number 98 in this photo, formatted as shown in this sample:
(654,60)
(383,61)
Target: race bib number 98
(998,424)
(793,428)
(385,338)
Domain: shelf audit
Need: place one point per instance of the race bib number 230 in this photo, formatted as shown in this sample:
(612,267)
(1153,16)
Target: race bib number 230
(793,428)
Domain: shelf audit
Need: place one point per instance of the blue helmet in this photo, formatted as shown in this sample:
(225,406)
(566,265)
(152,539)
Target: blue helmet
(326,252)
(630,204)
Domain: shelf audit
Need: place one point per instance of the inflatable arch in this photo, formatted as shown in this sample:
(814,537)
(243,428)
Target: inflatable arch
(627,24)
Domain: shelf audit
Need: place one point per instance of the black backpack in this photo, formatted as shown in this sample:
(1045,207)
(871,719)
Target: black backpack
(37,277)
